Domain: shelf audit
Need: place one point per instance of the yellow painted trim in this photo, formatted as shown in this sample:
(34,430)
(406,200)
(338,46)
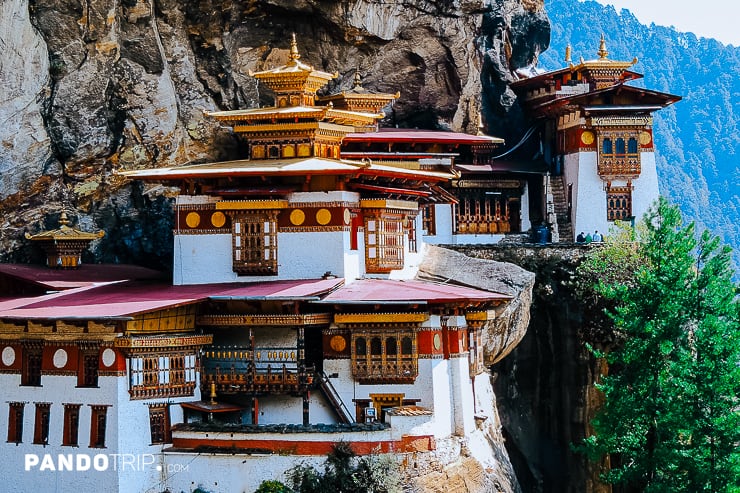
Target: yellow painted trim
(369,318)
(480,316)
(389,204)
(242,205)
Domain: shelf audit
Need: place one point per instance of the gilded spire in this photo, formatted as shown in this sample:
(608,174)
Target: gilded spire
(63,220)
(358,79)
(568,54)
(294,55)
(602,49)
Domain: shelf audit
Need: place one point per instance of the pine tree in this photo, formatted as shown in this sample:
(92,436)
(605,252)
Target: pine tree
(671,417)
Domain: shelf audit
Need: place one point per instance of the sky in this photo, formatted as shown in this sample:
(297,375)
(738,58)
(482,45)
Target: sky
(706,18)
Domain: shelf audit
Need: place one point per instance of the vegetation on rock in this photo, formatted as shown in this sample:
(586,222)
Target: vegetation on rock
(671,417)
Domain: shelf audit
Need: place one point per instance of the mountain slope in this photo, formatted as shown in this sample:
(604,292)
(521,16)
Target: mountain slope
(697,139)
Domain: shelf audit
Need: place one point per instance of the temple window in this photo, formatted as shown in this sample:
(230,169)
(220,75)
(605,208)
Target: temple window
(411,228)
(15,422)
(632,146)
(41,427)
(71,425)
(169,375)
(98,424)
(31,370)
(607,146)
(428,221)
(273,152)
(88,374)
(159,424)
(384,363)
(482,211)
(384,235)
(254,238)
(618,203)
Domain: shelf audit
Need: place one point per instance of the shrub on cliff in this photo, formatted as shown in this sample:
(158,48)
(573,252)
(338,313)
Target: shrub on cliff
(671,417)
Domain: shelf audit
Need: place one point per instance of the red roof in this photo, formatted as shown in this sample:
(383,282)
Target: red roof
(368,291)
(425,136)
(122,300)
(85,275)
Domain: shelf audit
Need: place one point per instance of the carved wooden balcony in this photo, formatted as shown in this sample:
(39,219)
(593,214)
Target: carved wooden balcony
(380,369)
(625,165)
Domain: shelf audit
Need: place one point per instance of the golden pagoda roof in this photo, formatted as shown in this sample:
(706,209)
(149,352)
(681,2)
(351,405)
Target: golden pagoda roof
(603,62)
(312,112)
(294,75)
(359,94)
(65,233)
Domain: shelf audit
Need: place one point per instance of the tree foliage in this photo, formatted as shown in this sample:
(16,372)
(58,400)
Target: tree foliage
(344,472)
(671,417)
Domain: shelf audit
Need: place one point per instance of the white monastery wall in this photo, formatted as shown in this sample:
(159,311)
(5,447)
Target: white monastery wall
(280,409)
(646,189)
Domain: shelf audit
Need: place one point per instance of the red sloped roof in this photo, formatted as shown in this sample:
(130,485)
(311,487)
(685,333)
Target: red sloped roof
(121,300)
(85,275)
(425,136)
(366,291)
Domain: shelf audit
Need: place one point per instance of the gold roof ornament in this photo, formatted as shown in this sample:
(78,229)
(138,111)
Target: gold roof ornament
(358,98)
(602,49)
(568,58)
(64,245)
(602,71)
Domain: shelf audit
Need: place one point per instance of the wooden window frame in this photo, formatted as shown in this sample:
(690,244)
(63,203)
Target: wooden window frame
(384,242)
(618,203)
(162,375)
(98,425)
(429,220)
(31,371)
(41,423)
(15,422)
(254,243)
(159,424)
(379,366)
(89,366)
(71,432)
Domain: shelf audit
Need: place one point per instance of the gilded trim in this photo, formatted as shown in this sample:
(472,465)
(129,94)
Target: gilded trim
(265,320)
(376,318)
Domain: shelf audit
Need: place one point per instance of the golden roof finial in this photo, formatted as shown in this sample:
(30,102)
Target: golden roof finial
(294,55)
(568,54)
(602,49)
(358,79)
(63,220)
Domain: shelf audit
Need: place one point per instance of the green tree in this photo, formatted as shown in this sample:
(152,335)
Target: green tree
(671,417)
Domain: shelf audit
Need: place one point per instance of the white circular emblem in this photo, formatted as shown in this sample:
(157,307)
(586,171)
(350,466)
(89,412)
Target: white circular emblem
(60,358)
(109,357)
(8,356)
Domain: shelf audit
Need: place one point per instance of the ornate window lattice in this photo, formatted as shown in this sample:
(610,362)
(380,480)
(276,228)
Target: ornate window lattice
(428,221)
(88,374)
(618,203)
(31,370)
(254,242)
(384,236)
(169,375)
(384,356)
(619,154)
(159,424)
(483,212)
(71,425)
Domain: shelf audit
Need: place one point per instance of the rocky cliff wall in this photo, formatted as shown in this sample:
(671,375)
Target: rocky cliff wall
(90,87)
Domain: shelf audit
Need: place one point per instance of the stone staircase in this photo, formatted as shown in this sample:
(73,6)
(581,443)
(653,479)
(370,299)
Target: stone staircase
(560,199)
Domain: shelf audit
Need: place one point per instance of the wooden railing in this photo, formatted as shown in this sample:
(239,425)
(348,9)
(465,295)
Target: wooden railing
(385,368)
(619,165)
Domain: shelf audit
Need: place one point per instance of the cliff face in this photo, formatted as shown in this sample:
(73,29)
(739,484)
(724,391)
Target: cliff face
(102,85)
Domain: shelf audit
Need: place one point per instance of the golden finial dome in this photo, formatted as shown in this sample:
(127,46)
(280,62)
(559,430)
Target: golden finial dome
(602,49)
(294,55)
(568,54)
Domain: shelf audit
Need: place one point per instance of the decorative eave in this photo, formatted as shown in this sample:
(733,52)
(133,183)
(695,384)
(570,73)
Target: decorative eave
(380,318)
(145,344)
(243,205)
(389,204)
(265,320)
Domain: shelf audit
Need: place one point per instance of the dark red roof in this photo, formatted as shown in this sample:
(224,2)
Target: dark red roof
(423,136)
(368,291)
(121,300)
(85,275)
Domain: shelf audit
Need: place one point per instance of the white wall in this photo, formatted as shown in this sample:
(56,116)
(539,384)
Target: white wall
(646,186)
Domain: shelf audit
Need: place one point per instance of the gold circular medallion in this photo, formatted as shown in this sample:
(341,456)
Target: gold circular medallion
(437,341)
(338,343)
(192,220)
(347,216)
(587,137)
(645,138)
(297,217)
(218,219)
(323,216)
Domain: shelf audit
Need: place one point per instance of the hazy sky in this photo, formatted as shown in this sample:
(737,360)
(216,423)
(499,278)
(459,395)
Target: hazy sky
(708,18)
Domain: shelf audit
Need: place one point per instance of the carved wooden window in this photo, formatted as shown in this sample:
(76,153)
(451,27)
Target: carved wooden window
(428,221)
(168,375)
(98,424)
(618,203)
(70,435)
(254,238)
(411,229)
(15,422)
(384,234)
(87,376)
(41,427)
(31,369)
(483,212)
(619,154)
(382,362)
(159,424)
